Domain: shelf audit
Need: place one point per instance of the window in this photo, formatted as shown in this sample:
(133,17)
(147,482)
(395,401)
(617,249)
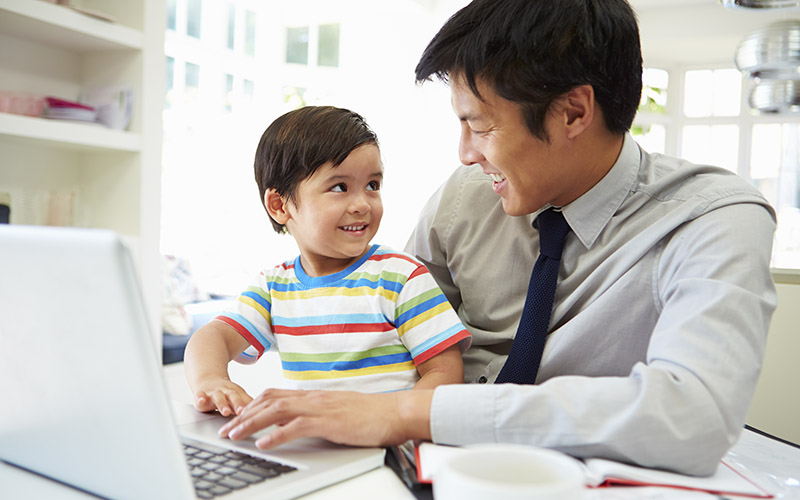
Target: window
(249,88)
(297,45)
(250,33)
(712,93)
(775,169)
(231,26)
(172,7)
(170,81)
(711,126)
(712,144)
(194,11)
(192,75)
(228,93)
(649,130)
(328,49)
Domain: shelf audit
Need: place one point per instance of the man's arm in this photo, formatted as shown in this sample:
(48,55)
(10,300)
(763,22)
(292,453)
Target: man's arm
(684,406)
(206,359)
(351,418)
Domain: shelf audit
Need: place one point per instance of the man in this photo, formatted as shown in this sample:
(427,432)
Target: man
(664,296)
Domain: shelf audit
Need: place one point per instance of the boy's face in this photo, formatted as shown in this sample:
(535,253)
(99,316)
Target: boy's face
(338,212)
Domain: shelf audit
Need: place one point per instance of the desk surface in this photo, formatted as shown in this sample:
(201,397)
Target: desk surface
(775,466)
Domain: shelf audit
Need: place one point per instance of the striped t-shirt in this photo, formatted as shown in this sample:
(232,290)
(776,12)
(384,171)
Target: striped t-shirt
(364,328)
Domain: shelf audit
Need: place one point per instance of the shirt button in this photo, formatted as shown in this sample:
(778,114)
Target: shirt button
(482,380)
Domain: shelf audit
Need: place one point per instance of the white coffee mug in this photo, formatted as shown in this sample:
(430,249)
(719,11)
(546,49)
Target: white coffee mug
(508,472)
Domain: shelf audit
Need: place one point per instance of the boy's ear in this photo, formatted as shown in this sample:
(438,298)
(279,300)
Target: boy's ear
(276,206)
(578,109)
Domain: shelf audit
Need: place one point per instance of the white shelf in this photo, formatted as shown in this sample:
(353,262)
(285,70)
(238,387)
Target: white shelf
(58,25)
(72,135)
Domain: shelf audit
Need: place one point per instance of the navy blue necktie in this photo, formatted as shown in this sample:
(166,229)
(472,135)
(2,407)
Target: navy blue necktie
(526,351)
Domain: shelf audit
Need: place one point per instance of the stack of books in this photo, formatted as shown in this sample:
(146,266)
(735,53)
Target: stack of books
(62,109)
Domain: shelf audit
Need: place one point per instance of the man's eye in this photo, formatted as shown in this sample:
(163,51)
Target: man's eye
(374,186)
(339,188)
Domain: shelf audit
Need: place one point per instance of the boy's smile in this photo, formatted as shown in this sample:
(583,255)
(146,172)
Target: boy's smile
(337,211)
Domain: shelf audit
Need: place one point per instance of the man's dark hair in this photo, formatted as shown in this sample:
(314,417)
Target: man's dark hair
(533,51)
(297,143)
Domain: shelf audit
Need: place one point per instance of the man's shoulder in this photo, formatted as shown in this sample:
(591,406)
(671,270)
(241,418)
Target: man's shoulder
(674,179)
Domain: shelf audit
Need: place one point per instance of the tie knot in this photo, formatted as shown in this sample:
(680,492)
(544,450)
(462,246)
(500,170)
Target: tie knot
(553,228)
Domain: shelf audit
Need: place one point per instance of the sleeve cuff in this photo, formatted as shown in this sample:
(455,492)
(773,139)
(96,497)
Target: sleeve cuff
(463,414)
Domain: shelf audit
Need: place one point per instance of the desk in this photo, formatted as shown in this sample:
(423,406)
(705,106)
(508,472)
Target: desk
(775,466)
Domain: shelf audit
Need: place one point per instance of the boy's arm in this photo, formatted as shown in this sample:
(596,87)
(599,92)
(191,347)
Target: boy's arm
(206,359)
(446,367)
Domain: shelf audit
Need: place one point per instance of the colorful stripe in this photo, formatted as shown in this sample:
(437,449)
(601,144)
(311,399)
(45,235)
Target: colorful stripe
(376,320)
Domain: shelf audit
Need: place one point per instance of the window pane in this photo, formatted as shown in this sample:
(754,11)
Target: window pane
(712,145)
(725,146)
(249,88)
(231,25)
(171,12)
(297,45)
(765,158)
(775,168)
(192,75)
(328,54)
(697,93)
(228,93)
(654,91)
(170,82)
(194,12)
(727,94)
(250,33)
(712,93)
(652,138)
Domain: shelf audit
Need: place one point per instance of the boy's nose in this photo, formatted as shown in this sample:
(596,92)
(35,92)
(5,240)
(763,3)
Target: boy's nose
(360,205)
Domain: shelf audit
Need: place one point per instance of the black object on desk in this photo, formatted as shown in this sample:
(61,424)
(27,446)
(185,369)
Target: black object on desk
(407,472)
(5,213)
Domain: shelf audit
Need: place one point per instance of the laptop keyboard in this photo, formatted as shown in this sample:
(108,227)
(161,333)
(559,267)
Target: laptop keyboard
(218,471)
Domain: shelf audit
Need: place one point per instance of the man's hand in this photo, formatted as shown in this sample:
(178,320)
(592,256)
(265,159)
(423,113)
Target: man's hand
(222,395)
(342,417)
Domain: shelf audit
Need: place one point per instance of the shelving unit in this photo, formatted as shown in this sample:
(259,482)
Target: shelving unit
(79,174)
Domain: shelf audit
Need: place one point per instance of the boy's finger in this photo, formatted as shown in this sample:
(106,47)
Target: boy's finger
(203,403)
(221,403)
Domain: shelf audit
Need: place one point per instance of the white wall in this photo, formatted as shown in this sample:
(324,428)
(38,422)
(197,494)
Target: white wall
(776,405)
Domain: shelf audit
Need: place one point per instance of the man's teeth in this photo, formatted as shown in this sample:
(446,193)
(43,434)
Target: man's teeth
(497,177)
(354,228)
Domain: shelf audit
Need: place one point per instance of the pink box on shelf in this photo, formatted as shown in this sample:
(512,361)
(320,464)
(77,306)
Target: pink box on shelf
(21,103)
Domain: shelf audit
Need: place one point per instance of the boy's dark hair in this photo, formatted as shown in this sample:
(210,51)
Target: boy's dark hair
(533,51)
(297,143)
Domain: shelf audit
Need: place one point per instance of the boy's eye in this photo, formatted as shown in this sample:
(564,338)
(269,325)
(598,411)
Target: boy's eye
(374,186)
(339,188)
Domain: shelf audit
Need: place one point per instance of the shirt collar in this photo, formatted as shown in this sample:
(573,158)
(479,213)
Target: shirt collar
(591,212)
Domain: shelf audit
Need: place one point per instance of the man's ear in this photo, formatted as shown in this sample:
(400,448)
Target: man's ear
(578,108)
(276,206)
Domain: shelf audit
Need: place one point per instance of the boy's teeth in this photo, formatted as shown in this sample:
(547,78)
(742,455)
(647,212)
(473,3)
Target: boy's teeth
(497,177)
(353,228)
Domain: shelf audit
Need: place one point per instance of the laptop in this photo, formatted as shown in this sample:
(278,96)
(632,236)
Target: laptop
(85,399)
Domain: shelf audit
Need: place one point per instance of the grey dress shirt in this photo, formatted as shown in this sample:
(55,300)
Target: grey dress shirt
(659,322)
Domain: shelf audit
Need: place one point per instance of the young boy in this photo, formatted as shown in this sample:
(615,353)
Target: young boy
(345,314)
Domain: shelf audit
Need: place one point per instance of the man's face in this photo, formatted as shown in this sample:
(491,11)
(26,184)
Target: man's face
(527,172)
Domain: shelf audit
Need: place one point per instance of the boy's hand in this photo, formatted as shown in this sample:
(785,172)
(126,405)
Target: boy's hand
(221,395)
